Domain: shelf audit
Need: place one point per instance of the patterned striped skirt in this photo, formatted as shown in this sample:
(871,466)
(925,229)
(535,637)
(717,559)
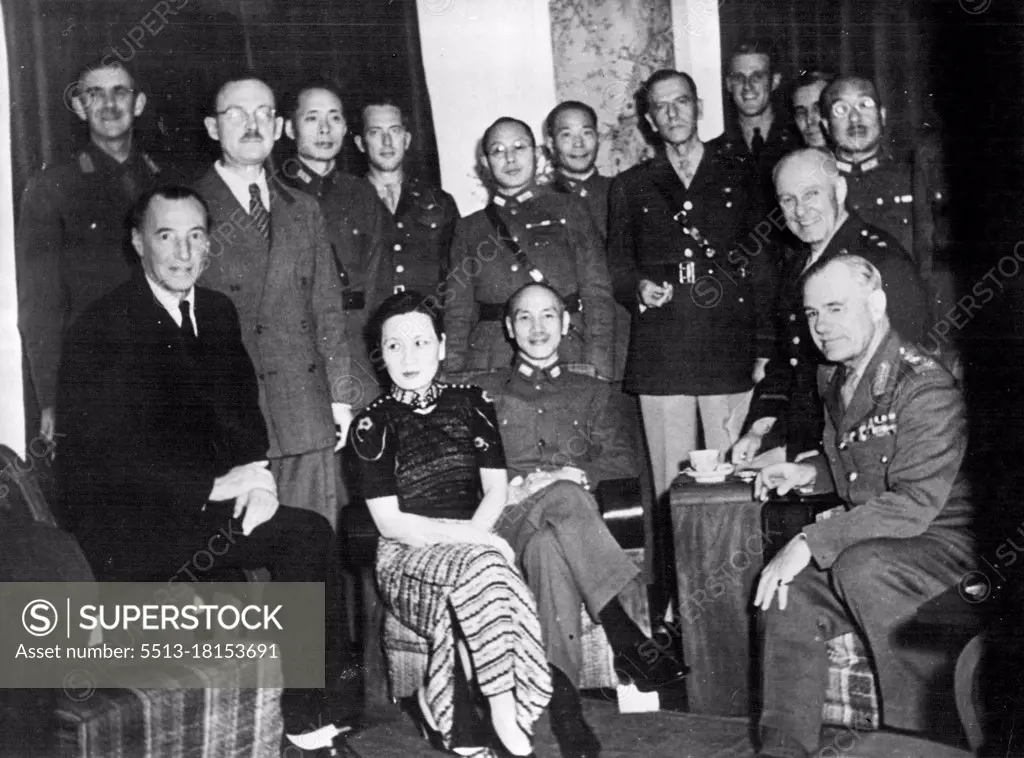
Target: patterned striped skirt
(430,589)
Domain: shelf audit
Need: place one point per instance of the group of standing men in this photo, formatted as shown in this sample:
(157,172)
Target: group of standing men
(680,278)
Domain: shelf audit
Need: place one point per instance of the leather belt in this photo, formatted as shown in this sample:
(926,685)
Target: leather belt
(496,311)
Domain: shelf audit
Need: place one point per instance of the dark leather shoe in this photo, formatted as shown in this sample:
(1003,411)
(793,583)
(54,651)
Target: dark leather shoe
(574,736)
(649,676)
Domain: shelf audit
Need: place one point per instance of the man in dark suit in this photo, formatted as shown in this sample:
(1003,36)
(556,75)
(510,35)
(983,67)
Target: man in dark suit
(166,448)
(271,255)
(696,285)
(894,445)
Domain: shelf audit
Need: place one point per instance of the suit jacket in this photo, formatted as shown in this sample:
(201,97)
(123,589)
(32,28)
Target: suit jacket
(703,341)
(895,455)
(289,306)
(149,427)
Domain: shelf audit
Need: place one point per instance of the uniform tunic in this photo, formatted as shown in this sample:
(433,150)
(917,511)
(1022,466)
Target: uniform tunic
(703,341)
(356,224)
(562,243)
(594,192)
(551,418)
(789,392)
(72,249)
(428,451)
(419,236)
(904,537)
(903,193)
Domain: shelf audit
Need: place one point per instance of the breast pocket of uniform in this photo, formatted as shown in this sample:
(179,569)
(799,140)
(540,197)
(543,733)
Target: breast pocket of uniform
(872,445)
(547,233)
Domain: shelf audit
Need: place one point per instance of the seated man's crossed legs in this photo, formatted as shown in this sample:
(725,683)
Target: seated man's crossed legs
(569,557)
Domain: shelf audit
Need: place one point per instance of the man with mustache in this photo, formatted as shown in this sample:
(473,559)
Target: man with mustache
(563,433)
(676,226)
(419,218)
(900,191)
(271,255)
(786,410)
(355,223)
(71,245)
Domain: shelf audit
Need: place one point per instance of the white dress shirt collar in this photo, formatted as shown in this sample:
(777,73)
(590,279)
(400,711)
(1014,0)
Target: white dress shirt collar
(170,301)
(240,187)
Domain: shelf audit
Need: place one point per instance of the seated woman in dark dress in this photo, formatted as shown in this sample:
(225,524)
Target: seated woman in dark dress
(426,452)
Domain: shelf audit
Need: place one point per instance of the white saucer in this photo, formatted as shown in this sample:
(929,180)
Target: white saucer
(715,476)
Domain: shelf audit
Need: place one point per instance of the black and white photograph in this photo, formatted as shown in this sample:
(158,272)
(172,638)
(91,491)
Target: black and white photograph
(555,378)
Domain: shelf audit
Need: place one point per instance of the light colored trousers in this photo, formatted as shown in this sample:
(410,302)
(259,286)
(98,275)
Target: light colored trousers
(670,425)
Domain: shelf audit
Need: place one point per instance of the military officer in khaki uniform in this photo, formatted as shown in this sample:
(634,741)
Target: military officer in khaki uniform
(697,285)
(71,242)
(786,410)
(420,219)
(894,444)
(527,233)
(901,191)
(572,139)
(355,222)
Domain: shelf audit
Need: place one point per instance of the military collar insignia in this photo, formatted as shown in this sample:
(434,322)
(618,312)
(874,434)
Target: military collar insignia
(86,163)
(858,168)
(416,400)
(880,383)
(303,176)
(529,371)
(150,164)
(502,200)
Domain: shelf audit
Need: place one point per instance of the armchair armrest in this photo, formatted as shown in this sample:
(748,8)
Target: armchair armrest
(782,518)
(622,507)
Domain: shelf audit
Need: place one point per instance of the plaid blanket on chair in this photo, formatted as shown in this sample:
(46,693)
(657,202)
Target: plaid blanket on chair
(851,697)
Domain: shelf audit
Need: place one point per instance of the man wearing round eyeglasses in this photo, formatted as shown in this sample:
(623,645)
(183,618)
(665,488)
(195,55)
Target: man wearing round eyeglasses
(71,243)
(899,190)
(270,253)
(527,233)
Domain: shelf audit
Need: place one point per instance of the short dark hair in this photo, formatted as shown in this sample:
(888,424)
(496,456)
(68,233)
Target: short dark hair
(107,61)
(381,102)
(512,302)
(663,75)
(399,304)
(501,122)
(754,46)
(240,76)
(568,105)
(828,95)
(292,104)
(137,215)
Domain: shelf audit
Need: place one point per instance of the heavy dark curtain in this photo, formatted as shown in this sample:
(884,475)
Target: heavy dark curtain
(182,49)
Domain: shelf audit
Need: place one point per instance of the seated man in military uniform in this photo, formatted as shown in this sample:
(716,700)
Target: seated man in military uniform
(563,433)
(894,443)
(786,410)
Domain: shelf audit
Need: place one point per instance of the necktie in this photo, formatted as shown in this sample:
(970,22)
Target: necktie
(848,388)
(757,143)
(393,193)
(188,329)
(258,211)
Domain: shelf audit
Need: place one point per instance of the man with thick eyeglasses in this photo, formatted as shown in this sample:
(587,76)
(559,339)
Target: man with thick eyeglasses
(901,190)
(271,255)
(71,243)
(759,136)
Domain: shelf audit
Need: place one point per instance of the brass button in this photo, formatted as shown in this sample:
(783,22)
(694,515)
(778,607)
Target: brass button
(852,476)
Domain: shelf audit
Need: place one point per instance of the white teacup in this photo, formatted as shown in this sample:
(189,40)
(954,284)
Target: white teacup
(704,461)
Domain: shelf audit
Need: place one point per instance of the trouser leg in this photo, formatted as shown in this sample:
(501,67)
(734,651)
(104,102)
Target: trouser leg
(722,419)
(670,425)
